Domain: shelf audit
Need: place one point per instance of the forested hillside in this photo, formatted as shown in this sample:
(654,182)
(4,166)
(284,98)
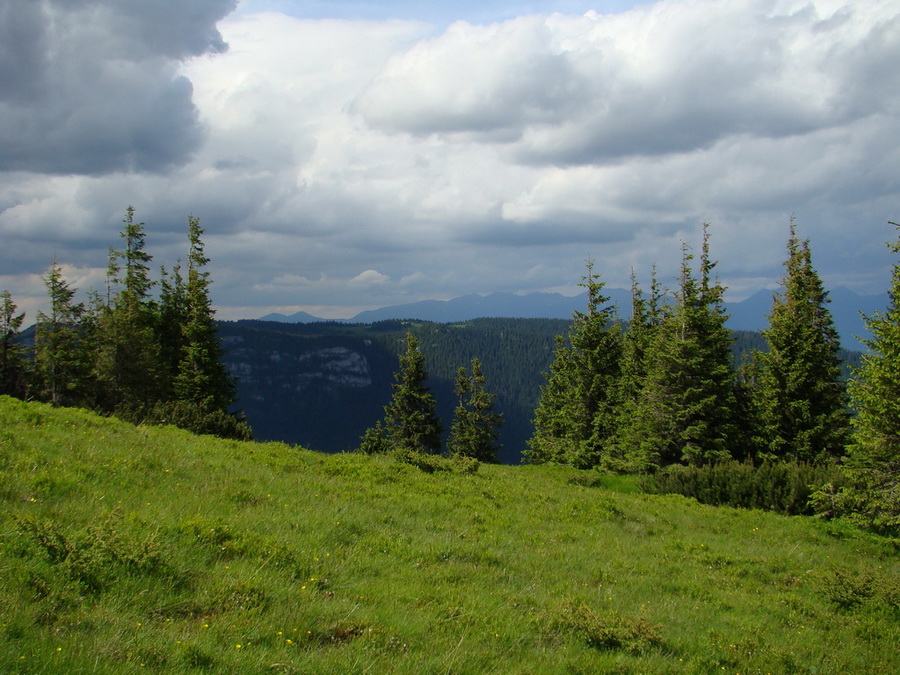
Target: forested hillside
(321,385)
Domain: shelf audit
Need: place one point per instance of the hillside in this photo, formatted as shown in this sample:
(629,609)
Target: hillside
(126,548)
(321,385)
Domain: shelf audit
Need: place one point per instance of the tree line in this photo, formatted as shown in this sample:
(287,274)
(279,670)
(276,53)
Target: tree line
(663,390)
(145,350)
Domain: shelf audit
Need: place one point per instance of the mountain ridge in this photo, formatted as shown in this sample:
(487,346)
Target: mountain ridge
(751,314)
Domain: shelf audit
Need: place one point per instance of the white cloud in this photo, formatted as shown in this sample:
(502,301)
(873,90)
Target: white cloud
(351,164)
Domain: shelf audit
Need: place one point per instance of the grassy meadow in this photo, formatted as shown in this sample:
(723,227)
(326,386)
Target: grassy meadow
(127,549)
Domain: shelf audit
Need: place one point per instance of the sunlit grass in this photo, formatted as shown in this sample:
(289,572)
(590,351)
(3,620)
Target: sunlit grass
(125,548)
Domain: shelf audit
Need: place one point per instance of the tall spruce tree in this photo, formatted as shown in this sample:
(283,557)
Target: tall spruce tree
(576,415)
(874,455)
(685,408)
(12,361)
(171,321)
(638,341)
(474,431)
(202,377)
(411,421)
(128,360)
(60,361)
(800,398)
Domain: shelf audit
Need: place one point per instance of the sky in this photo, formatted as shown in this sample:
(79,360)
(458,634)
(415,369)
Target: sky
(344,156)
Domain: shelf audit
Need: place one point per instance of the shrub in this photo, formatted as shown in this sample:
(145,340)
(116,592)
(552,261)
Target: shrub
(375,440)
(608,631)
(849,588)
(430,463)
(784,487)
(867,497)
(193,417)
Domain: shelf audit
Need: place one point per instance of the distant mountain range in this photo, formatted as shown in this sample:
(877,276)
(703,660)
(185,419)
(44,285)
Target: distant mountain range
(750,314)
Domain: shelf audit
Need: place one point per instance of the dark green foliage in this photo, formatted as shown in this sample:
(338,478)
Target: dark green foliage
(60,356)
(91,559)
(172,318)
(850,588)
(475,424)
(431,463)
(126,351)
(129,355)
(608,630)
(411,420)
(873,499)
(202,378)
(375,440)
(783,487)
(799,397)
(331,415)
(12,361)
(627,452)
(685,410)
(194,417)
(576,416)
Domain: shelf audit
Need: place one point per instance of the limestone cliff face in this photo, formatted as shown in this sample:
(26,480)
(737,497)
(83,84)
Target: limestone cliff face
(317,391)
(325,370)
(340,366)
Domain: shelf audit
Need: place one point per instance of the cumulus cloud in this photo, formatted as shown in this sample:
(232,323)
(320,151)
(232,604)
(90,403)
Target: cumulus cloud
(91,86)
(666,78)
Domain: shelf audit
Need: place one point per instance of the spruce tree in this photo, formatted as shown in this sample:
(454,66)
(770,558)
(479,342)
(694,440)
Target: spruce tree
(475,424)
(411,421)
(685,409)
(874,454)
(576,414)
(202,377)
(12,361)
(626,453)
(171,321)
(128,363)
(800,399)
(60,362)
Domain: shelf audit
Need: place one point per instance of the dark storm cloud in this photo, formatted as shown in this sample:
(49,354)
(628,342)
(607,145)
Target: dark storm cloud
(91,86)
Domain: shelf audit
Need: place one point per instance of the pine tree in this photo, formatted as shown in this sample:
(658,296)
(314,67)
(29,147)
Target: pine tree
(59,354)
(576,417)
(411,420)
(202,377)
(638,341)
(474,429)
(12,362)
(171,321)
(128,363)
(874,455)
(800,399)
(685,409)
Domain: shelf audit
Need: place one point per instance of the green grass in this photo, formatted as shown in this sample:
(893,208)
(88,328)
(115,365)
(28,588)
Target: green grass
(125,549)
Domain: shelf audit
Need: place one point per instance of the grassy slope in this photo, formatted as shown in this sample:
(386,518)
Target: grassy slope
(124,547)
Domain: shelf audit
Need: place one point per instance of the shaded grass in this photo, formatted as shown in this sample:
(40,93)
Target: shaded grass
(124,548)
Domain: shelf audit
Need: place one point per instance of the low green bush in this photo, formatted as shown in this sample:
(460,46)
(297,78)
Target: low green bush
(430,463)
(192,417)
(783,487)
(607,631)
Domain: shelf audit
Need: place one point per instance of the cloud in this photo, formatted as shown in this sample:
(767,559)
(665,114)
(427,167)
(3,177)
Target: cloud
(349,164)
(91,86)
(480,79)
(667,78)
